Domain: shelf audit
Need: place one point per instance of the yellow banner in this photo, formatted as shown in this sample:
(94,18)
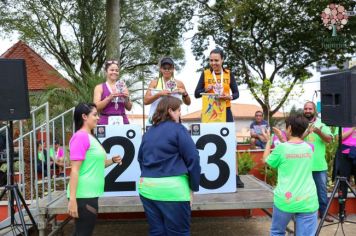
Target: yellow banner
(214,109)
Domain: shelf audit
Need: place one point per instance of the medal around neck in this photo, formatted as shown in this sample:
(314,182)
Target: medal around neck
(218,89)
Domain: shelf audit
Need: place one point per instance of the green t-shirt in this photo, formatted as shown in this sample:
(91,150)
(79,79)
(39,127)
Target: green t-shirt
(84,147)
(51,153)
(41,156)
(173,188)
(319,162)
(295,191)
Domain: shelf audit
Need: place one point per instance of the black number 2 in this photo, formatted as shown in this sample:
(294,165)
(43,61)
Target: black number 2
(224,171)
(110,184)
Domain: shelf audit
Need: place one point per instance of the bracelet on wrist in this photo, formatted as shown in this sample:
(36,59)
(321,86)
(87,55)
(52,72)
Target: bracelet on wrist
(185,94)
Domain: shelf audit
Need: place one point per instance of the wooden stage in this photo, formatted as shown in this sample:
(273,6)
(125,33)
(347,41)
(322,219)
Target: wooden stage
(256,194)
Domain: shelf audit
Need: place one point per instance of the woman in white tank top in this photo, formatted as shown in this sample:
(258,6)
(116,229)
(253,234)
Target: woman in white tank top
(165,85)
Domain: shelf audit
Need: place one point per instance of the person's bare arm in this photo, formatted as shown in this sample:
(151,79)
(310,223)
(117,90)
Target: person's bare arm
(267,150)
(279,135)
(73,183)
(149,97)
(346,134)
(185,96)
(100,105)
(325,137)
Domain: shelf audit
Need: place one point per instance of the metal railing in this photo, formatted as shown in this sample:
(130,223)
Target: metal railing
(39,178)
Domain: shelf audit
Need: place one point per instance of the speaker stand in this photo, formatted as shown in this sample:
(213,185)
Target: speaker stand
(342,199)
(15,195)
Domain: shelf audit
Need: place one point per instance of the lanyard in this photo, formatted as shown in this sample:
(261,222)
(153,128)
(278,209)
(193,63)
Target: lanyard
(109,87)
(221,78)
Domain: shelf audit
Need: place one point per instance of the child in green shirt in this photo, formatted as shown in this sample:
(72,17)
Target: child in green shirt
(295,193)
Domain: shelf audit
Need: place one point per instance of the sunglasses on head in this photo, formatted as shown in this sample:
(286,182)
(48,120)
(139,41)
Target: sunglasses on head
(112,62)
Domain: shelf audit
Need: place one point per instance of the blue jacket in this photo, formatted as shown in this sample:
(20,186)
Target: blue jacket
(168,150)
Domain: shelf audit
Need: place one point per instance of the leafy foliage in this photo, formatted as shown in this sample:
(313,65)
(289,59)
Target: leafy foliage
(245,163)
(74,33)
(269,44)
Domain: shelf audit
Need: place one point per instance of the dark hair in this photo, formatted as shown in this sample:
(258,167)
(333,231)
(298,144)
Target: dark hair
(109,63)
(258,112)
(56,142)
(38,143)
(218,51)
(161,114)
(80,109)
(298,124)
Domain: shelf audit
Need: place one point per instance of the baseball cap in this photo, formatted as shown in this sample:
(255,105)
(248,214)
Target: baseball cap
(166,60)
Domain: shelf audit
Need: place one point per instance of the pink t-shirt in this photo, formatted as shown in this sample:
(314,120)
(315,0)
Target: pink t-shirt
(60,153)
(79,145)
(349,141)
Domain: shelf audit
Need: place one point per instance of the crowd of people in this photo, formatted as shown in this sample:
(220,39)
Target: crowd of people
(169,161)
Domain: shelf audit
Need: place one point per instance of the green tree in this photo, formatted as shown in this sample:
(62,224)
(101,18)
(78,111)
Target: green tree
(294,110)
(74,33)
(113,29)
(269,44)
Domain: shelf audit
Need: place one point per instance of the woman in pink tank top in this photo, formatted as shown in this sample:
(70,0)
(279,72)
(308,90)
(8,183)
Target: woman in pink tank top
(112,97)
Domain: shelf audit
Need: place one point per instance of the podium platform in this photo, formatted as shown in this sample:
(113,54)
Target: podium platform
(256,195)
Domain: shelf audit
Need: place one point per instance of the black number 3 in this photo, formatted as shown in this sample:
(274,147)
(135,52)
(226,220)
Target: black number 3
(224,171)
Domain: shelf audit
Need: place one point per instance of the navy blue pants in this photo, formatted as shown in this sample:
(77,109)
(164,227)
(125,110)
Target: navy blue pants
(229,116)
(167,218)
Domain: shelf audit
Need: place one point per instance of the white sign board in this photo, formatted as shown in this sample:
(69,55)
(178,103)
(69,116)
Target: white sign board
(215,142)
(123,140)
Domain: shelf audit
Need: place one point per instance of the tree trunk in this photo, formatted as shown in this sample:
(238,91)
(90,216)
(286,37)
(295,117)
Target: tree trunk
(113,29)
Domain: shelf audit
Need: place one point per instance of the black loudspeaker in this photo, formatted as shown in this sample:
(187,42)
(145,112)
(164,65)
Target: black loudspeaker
(14,102)
(338,99)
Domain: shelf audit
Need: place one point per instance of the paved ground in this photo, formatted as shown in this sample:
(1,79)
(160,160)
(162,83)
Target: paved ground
(208,227)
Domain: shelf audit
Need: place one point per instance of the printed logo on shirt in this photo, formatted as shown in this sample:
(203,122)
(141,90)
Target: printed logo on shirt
(298,155)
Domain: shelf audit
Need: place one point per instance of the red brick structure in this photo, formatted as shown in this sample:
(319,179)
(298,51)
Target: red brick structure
(40,74)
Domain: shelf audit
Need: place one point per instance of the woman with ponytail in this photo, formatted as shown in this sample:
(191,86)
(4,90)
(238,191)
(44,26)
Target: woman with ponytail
(88,160)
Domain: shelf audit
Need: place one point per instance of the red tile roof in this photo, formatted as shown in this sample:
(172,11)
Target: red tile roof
(40,74)
(240,111)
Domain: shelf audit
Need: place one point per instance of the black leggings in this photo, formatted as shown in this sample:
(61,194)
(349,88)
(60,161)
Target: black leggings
(87,212)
